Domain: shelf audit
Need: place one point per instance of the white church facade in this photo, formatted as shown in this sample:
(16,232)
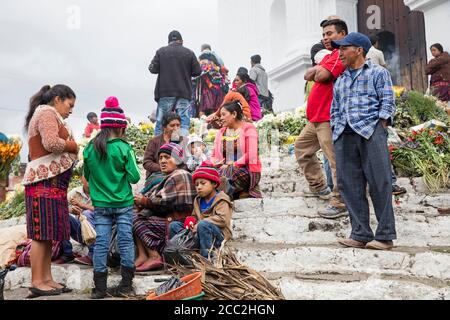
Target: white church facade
(283,32)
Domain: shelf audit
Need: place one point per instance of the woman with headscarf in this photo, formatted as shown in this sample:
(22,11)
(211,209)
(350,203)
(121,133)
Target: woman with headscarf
(171,200)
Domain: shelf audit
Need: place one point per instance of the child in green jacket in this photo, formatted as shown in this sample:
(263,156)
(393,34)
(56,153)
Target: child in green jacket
(110,167)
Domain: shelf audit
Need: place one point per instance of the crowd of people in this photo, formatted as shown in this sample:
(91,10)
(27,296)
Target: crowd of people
(350,105)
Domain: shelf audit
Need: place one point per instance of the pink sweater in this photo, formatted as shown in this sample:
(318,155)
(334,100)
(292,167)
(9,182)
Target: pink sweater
(248,143)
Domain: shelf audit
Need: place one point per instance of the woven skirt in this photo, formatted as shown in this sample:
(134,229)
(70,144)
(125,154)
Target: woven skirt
(241,180)
(48,209)
(152,231)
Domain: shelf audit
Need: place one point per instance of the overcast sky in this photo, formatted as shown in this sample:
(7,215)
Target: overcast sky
(107,55)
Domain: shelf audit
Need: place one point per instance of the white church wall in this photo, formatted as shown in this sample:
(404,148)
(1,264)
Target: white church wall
(282,32)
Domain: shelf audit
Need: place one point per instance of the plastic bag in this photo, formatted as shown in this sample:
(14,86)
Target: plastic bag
(114,253)
(179,248)
(87,231)
(171,284)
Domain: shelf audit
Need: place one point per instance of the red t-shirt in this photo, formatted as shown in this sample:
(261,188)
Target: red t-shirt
(321,96)
(90,128)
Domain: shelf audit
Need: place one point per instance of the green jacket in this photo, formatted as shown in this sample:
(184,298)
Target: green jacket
(110,179)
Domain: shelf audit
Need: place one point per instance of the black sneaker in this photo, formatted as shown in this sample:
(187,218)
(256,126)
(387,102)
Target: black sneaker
(397,190)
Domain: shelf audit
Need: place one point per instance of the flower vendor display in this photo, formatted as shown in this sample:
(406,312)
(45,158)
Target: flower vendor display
(138,137)
(425,154)
(9,152)
(414,108)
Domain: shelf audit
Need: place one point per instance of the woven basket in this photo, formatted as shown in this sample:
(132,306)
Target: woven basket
(191,288)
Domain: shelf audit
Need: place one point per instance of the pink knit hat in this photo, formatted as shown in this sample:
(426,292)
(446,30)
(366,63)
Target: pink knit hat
(112,115)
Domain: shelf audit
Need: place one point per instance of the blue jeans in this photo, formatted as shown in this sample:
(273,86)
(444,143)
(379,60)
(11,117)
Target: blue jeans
(394,177)
(104,219)
(207,232)
(178,105)
(327,168)
(75,234)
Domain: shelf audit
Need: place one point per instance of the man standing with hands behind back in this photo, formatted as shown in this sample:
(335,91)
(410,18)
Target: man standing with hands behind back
(363,106)
(175,66)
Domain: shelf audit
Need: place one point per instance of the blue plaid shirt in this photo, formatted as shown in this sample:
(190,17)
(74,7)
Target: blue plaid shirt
(361,102)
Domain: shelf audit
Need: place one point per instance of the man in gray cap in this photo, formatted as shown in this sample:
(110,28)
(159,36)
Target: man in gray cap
(175,66)
(363,106)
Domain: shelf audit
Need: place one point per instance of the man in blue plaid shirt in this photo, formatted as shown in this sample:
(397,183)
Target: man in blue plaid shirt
(363,106)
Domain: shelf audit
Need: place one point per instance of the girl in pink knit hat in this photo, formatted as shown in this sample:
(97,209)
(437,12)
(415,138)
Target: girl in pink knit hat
(110,167)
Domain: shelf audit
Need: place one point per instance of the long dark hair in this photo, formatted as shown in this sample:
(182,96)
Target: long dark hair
(101,139)
(243,74)
(235,107)
(46,96)
(438,46)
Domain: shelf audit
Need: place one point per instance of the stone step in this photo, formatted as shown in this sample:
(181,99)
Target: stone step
(327,259)
(373,288)
(80,278)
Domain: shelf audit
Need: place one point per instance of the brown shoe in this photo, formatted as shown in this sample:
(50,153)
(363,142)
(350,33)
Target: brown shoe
(380,245)
(350,243)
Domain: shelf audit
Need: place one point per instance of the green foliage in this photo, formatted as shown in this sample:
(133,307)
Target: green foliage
(13,208)
(427,155)
(414,108)
(138,139)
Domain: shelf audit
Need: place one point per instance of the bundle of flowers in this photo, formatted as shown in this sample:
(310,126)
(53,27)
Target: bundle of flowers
(425,154)
(9,152)
(283,127)
(14,206)
(414,108)
(138,137)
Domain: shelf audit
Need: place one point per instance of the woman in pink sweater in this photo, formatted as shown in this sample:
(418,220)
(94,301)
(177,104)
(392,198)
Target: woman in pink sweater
(52,152)
(236,154)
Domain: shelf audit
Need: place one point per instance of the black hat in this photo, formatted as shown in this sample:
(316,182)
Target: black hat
(242,71)
(175,36)
(256,58)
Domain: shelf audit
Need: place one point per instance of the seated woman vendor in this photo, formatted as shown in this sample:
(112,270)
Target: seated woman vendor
(236,154)
(170,200)
(171,124)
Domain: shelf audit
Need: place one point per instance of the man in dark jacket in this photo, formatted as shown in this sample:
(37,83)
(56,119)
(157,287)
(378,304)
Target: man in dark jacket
(175,66)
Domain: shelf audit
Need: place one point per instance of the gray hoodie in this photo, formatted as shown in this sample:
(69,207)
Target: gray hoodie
(259,75)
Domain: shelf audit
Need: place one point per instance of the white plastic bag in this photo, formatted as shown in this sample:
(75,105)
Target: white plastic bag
(87,231)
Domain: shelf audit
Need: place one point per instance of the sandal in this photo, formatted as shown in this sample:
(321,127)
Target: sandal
(35,293)
(65,289)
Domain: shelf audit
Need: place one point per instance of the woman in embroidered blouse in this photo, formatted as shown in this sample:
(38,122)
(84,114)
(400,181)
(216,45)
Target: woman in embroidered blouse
(236,154)
(52,152)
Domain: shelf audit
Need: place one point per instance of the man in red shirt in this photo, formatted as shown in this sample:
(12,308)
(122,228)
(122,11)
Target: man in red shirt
(317,134)
(92,125)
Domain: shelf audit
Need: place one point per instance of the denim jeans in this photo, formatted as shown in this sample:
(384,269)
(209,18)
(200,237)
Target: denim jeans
(207,232)
(180,106)
(327,168)
(104,219)
(394,176)
(75,234)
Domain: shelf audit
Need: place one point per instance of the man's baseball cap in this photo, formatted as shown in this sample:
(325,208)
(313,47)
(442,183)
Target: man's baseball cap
(354,39)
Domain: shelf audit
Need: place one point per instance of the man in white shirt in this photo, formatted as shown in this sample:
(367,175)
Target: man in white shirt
(376,55)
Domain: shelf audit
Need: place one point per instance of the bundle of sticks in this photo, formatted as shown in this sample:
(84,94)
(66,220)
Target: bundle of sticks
(228,279)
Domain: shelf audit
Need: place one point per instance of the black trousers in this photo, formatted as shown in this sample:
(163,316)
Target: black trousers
(360,162)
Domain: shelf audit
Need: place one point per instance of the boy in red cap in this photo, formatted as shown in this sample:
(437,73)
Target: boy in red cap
(213,210)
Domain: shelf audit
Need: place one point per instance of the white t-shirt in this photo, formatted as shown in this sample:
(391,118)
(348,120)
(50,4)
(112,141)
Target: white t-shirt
(377,56)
